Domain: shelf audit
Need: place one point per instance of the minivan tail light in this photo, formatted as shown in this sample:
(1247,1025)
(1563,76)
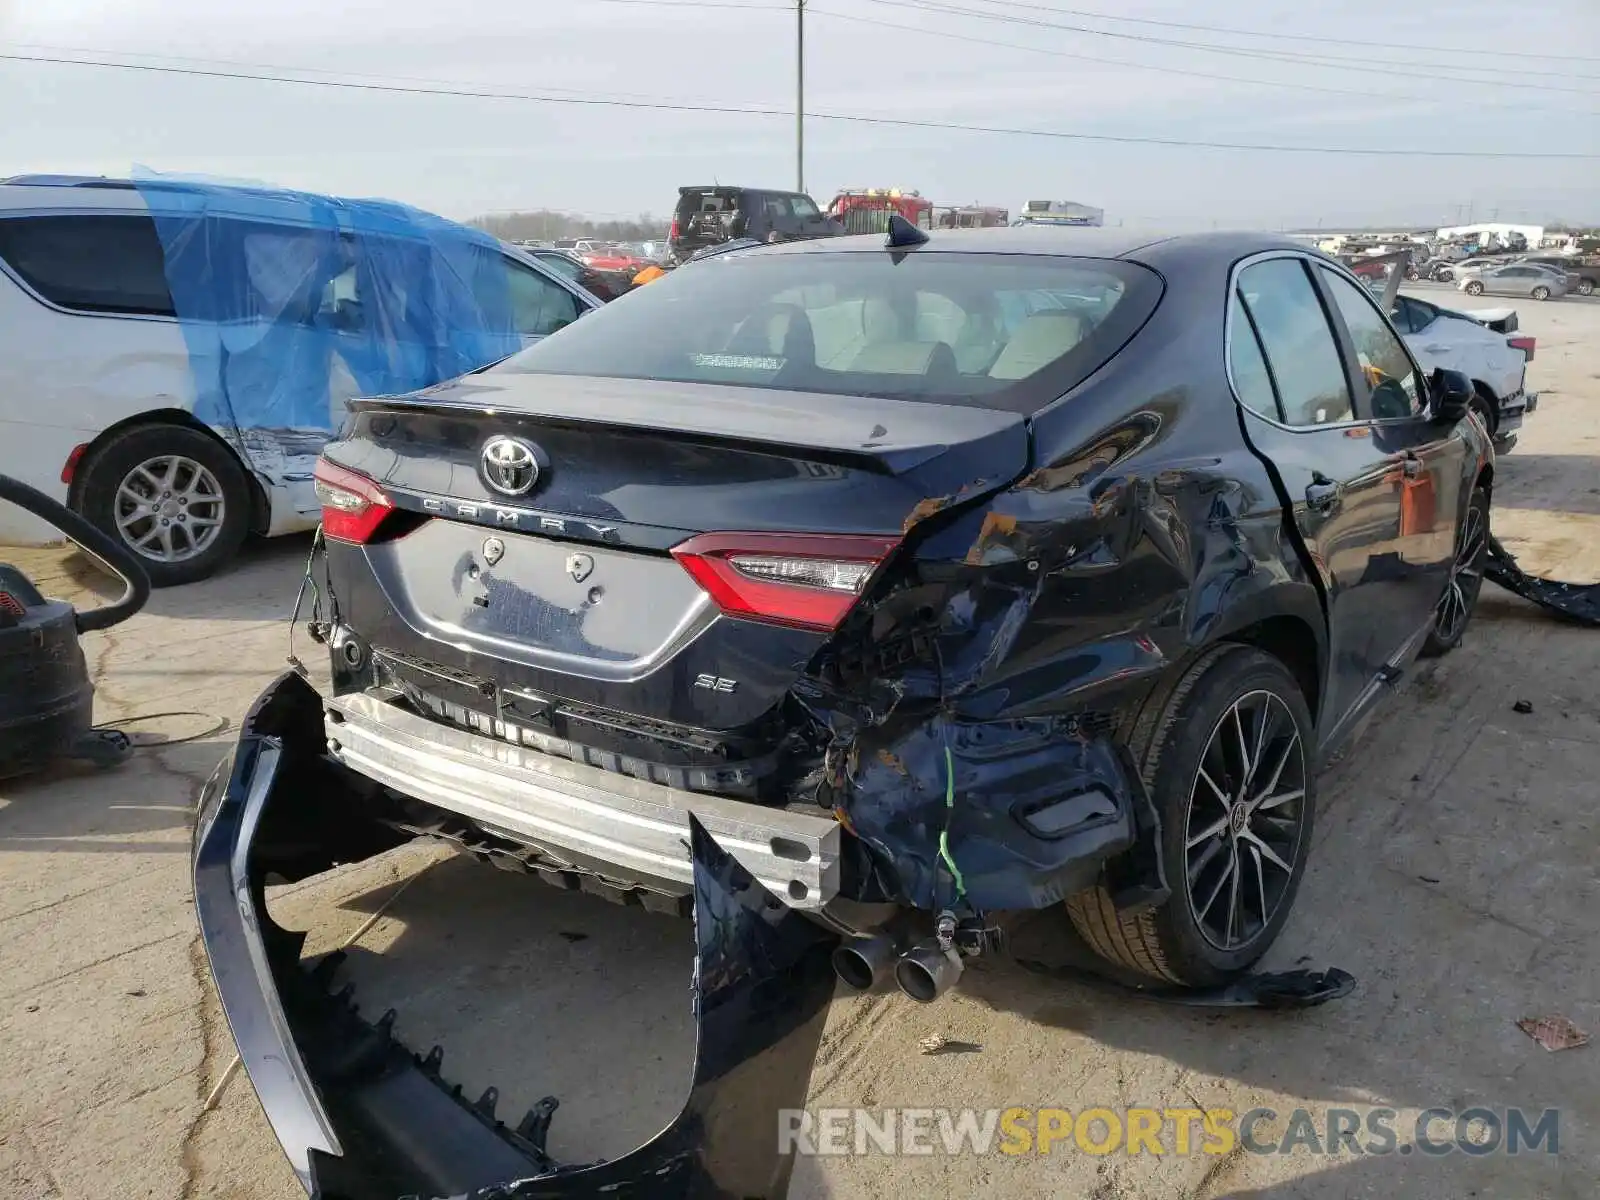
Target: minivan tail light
(353,506)
(802,580)
(1525,344)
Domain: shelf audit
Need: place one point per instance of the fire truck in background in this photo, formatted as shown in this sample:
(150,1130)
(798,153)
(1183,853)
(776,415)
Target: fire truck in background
(867,210)
(971,216)
(1059,212)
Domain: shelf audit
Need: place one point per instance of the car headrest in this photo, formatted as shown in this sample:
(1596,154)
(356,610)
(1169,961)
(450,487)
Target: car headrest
(1038,341)
(783,330)
(904,358)
(879,321)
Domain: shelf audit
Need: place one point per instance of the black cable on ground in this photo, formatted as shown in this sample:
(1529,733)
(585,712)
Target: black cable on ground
(221,726)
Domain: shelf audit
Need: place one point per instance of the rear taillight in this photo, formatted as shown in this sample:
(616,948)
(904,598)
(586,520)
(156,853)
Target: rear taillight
(353,506)
(803,580)
(10,606)
(672,230)
(1525,344)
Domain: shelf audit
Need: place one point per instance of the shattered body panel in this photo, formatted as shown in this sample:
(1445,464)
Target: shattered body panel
(363,1118)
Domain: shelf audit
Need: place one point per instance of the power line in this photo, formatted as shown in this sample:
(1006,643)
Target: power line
(1099,60)
(347,74)
(1233,31)
(843,118)
(1283,56)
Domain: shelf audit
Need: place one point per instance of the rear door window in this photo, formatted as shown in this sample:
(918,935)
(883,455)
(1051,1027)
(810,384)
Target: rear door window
(91,262)
(1392,386)
(1298,341)
(539,306)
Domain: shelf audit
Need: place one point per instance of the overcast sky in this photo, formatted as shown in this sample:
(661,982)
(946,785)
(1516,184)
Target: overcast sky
(464,156)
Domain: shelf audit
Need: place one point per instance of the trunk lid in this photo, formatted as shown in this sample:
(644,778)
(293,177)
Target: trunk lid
(564,610)
(646,463)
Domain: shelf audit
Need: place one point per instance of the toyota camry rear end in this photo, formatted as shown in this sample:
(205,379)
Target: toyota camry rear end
(853,596)
(703,555)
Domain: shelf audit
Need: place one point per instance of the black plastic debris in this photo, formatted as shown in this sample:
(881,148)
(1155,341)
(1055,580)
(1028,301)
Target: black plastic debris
(1522,706)
(1575,601)
(1267,989)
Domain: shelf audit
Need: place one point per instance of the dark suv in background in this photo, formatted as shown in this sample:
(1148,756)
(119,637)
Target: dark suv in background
(710,216)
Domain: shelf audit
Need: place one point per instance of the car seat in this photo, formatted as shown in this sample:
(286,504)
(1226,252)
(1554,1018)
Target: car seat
(777,331)
(1039,341)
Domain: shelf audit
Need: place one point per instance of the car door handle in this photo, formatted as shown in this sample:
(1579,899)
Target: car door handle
(1412,466)
(1437,349)
(1322,495)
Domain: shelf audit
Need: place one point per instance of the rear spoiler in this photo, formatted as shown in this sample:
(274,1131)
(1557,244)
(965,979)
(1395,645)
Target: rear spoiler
(1501,320)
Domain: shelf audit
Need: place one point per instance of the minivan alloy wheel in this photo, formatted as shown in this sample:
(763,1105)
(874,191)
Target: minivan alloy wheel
(169,509)
(1245,820)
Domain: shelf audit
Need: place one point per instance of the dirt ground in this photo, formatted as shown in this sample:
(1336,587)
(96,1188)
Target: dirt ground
(1454,875)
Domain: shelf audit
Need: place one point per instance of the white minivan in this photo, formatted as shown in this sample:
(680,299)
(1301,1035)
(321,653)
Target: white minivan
(99,401)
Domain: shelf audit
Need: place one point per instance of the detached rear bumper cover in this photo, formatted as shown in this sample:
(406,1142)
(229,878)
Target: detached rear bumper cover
(361,1118)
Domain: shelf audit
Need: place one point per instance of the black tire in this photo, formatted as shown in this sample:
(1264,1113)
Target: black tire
(1585,287)
(100,500)
(1474,288)
(1171,739)
(1460,598)
(1485,410)
(1540,293)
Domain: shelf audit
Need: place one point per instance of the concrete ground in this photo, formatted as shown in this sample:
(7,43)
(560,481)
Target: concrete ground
(1454,874)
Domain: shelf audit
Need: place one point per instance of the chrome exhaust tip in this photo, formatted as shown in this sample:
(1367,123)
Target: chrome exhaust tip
(861,962)
(927,972)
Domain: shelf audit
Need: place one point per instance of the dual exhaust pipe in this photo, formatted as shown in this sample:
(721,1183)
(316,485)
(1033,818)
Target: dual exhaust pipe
(924,972)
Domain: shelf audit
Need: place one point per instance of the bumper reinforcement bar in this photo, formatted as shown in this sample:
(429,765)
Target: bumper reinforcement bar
(582,815)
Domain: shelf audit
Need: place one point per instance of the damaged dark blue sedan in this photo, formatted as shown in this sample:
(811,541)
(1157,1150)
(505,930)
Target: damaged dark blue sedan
(924,579)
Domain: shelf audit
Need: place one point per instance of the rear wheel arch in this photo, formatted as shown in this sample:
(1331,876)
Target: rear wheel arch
(1293,642)
(1286,621)
(260,507)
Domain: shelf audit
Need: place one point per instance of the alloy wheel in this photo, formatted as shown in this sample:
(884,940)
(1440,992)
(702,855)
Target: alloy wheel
(1466,577)
(1246,814)
(169,509)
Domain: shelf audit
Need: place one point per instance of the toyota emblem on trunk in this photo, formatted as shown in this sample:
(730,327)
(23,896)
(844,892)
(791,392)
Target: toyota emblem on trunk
(510,465)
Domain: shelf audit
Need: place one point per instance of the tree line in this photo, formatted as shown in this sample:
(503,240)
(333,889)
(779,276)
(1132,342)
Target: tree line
(545,224)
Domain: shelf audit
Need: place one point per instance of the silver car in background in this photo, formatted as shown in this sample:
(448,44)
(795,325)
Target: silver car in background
(1515,279)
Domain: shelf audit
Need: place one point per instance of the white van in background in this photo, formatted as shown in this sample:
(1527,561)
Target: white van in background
(98,393)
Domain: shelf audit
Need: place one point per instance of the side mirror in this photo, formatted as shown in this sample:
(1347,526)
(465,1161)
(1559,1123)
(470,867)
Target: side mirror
(1449,395)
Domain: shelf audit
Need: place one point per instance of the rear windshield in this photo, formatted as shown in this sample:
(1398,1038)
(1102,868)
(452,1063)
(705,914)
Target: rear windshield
(1001,331)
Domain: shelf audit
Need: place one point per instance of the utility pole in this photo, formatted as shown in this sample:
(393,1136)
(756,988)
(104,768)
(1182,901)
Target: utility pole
(800,95)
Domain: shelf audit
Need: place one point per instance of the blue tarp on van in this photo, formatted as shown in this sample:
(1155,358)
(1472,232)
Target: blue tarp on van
(292,302)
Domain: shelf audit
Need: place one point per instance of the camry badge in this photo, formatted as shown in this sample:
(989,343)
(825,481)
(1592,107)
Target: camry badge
(580,567)
(510,466)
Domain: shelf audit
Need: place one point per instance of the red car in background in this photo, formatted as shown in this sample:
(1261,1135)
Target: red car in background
(610,257)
